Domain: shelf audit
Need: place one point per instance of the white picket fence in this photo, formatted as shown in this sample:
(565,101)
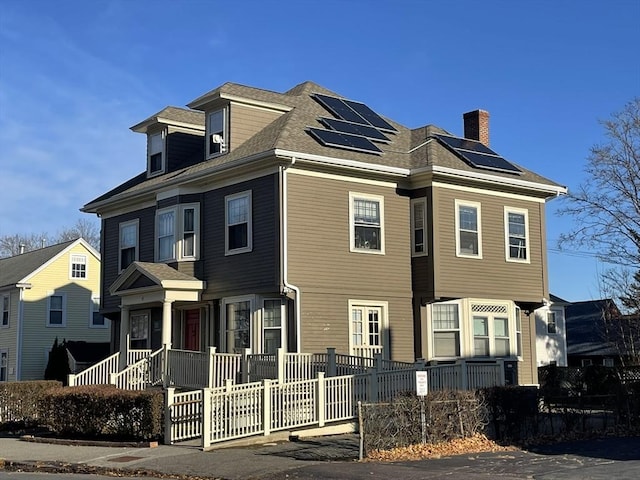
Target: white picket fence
(259,408)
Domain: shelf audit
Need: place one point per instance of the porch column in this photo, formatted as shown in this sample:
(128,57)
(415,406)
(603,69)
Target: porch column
(124,336)
(166,323)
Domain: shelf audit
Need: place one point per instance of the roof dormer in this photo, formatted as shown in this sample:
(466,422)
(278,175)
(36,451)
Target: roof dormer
(174,139)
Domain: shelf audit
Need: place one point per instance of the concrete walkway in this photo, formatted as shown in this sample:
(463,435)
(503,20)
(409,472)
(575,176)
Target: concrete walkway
(334,457)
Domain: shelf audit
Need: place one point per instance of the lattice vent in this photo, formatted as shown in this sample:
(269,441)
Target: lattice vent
(483,308)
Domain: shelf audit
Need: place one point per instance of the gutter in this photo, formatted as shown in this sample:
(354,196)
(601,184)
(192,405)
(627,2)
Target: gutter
(284,248)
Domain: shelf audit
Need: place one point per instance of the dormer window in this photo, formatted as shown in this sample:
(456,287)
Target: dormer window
(217,135)
(156,156)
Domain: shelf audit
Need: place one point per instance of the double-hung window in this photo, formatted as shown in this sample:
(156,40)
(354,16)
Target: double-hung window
(128,243)
(418,226)
(551,322)
(446,330)
(96,319)
(166,224)
(468,229)
(156,154)
(78,266)
(217,141)
(237,326)
(518,332)
(366,214)
(177,233)
(4,363)
(491,330)
(272,326)
(367,327)
(516,223)
(4,320)
(56,315)
(238,231)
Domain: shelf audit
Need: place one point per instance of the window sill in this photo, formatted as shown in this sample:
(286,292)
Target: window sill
(238,251)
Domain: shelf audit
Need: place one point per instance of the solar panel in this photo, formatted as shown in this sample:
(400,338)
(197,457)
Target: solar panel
(478,155)
(340,109)
(491,162)
(355,129)
(331,138)
(370,116)
(466,144)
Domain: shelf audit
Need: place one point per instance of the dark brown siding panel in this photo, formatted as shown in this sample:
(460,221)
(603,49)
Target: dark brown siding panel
(184,149)
(492,276)
(110,244)
(253,272)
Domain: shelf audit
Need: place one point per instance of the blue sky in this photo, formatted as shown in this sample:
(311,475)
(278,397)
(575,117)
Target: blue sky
(75,75)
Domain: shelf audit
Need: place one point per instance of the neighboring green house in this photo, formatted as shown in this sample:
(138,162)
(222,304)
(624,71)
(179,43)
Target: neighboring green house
(47,293)
(304,220)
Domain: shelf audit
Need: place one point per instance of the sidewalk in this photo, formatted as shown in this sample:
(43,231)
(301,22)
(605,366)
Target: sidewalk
(186,460)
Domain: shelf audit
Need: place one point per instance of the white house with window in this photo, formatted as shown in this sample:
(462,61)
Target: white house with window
(551,333)
(49,293)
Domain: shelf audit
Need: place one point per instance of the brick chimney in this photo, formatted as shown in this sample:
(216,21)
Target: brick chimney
(476,126)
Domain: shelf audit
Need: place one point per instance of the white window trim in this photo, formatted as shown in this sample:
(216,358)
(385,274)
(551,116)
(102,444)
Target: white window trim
(519,347)
(249,246)
(549,313)
(92,310)
(527,238)
(225,132)
(491,333)
(162,152)
(461,329)
(178,232)
(282,326)
(352,227)
(140,313)
(71,263)
(2,310)
(422,201)
(384,323)
(477,206)
(252,318)
(64,309)
(135,222)
(4,352)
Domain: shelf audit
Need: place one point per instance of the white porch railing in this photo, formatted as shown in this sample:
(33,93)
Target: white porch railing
(146,372)
(97,374)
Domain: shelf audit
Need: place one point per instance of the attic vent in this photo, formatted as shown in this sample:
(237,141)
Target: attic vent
(484,308)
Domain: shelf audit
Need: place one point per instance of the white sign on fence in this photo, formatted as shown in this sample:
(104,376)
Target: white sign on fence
(421,384)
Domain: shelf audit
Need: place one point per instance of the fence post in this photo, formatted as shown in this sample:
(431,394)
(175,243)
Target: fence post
(206,418)
(168,401)
(281,370)
(266,405)
(332,370)
(212,352)
(244,367)
(321,399)
(166,378)
(112,378)
(501,373)
(464,375)
(71,380)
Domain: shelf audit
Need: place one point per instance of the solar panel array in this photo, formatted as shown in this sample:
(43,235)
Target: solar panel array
(478,155)
(355,127)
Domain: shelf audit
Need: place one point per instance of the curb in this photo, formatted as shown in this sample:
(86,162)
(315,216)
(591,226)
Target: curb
(87,443)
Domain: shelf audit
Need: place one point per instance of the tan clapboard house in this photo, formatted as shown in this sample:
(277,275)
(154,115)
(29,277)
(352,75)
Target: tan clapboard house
(48,293)
(305,220)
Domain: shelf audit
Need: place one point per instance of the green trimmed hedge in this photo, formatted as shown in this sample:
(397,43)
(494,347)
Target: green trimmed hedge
(20,402)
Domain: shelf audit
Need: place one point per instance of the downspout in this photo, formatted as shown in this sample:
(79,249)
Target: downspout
(284,257)
(20,329)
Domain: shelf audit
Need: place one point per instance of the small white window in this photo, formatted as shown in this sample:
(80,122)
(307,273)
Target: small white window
(445,322)
(419,226)
(366,215)
(468,229)
(4,364)
(516,224)
(217,141)
(96,319)
(608,362)
(552,327)
(189,232)
(238,231)
(128,243)
(272,326)
(165,227)
(78,266)
(4,320)
(56,315)
(156,154)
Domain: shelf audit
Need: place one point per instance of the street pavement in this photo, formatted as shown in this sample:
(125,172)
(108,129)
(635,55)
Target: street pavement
(328,458)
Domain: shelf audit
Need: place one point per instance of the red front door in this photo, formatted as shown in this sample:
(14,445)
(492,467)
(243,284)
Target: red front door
(192,330)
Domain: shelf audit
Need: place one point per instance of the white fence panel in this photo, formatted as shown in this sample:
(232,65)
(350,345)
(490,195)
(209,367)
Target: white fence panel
(293,404)
(185,413)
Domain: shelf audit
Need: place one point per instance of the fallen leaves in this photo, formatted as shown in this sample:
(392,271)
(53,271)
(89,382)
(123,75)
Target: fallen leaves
(459,446)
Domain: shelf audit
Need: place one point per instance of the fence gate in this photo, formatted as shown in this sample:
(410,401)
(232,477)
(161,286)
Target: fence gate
(183,415)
